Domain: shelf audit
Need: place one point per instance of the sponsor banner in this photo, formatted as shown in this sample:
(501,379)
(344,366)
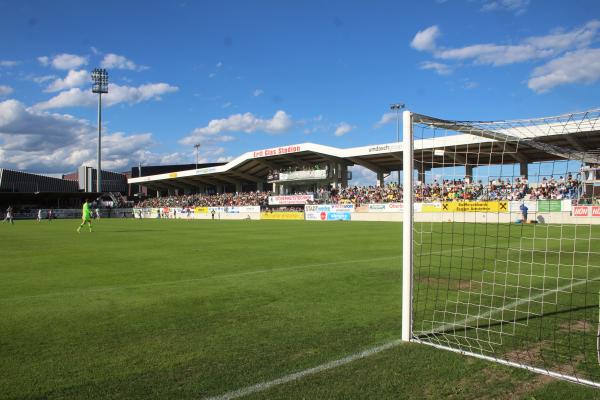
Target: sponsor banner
(330,208)
(338,216)
(431,207)
(362,208)
(248,209)
(318,174)
(385,207)
(292,215)
(586,211)
(290,200)
(201,210)
(475,206)
(549,205)
(328,216)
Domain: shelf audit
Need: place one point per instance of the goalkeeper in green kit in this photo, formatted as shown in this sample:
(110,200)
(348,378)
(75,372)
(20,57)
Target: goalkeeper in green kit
(86,216)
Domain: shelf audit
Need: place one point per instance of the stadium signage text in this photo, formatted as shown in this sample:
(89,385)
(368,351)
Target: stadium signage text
(586,211)
(290,215)
(290,200)
(276,151)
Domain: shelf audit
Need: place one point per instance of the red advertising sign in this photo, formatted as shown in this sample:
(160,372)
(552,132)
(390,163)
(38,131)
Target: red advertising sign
(596,211)
(580,211)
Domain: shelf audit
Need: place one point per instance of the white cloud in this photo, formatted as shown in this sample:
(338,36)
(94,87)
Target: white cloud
(385,119)
(212,75)
(57,143)
(439,68)
(343,128)
(571,59)
(531,48)
(248,123)
(516,6)
(5,90)
(64,61)
(258,92)
(8,63)
(115,61)
(44,60)
(116,94)
(581,66)
(219,64)
(73,79)
(425,40)
(43,78)
(362,176)
(227,104)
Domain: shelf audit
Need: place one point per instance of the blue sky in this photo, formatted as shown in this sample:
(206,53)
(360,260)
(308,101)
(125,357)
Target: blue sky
(245,75)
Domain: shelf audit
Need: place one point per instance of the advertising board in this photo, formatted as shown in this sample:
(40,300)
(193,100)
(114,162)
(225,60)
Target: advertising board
(285,215)
(586,211)
(290,200)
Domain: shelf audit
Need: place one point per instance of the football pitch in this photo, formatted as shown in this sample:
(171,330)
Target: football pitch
(173,309)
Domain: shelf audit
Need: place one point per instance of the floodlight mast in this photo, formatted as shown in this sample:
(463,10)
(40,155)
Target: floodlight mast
(397,107)
(197,147)
(100,85)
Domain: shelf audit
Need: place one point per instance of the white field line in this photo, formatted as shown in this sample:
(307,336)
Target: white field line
(166,283)
(366,353)
(301,374)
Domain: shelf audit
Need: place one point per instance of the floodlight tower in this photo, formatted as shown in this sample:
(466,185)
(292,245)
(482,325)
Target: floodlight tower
(100,85)
(397,107)
(197,147)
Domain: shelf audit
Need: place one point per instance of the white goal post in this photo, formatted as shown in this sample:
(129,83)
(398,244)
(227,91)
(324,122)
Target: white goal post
(501,240)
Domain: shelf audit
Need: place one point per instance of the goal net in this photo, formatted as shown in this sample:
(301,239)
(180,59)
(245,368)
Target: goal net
(502,240)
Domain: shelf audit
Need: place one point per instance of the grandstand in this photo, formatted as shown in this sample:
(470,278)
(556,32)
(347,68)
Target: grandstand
(310,166)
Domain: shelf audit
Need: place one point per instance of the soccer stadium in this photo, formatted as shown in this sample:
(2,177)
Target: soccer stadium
(460,260)
(277,273)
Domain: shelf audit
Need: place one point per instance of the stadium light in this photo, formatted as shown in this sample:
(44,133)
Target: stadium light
(100,85)
(397,107)
(197,147)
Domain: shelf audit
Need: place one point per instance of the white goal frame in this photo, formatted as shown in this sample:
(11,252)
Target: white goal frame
(408,275)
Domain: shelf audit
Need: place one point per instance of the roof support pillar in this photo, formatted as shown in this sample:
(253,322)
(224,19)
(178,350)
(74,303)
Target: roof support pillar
(524,169)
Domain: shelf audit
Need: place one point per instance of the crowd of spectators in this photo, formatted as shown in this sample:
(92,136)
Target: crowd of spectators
(444,190)
(208,200)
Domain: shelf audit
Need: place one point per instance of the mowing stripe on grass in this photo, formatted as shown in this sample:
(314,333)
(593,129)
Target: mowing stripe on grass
(166,283)
(369,352)
(461,324)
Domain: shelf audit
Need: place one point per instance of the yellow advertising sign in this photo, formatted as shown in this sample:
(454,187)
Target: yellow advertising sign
(201,210)
(475,206)
(282,215)
(431,207)
(173,175)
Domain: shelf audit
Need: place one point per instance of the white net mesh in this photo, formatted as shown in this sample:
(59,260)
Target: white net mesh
(507,240)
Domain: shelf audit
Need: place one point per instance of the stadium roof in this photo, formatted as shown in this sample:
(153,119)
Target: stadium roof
(474,143)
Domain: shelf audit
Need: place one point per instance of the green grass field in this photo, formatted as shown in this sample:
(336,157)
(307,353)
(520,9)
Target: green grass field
(163,309)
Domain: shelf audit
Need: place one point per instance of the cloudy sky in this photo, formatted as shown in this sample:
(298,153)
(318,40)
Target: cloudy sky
(240,75)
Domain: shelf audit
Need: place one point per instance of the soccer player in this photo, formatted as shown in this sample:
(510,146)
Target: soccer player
(524,210)
(39,218)
(9,215)
(86,216)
